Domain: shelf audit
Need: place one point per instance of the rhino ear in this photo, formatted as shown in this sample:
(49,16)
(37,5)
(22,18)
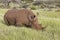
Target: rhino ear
(31,18)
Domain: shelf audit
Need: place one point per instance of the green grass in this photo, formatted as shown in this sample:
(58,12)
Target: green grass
(50,19)
(51,14)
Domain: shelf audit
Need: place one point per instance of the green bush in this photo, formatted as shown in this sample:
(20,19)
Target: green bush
(33,8)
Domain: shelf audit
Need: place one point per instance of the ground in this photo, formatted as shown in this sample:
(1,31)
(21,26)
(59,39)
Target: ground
(49,19)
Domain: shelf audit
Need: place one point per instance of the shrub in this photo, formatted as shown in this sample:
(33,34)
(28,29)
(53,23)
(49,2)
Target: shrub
(33,8)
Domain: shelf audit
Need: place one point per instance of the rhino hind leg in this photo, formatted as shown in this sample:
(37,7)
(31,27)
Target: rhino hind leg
(6,21)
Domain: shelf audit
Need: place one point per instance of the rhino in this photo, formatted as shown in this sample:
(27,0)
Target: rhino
(20,17)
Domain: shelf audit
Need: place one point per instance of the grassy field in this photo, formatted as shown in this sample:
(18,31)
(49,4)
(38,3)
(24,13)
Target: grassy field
(49,19)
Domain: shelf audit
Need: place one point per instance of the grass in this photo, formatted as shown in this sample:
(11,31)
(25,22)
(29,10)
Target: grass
(50,19)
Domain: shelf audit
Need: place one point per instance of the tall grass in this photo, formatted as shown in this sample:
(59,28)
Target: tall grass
(49,19)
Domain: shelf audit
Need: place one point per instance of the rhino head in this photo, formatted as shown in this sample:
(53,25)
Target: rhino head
(34,22)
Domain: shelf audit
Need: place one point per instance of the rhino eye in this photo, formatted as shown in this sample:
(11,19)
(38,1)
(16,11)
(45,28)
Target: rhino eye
(32,17)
